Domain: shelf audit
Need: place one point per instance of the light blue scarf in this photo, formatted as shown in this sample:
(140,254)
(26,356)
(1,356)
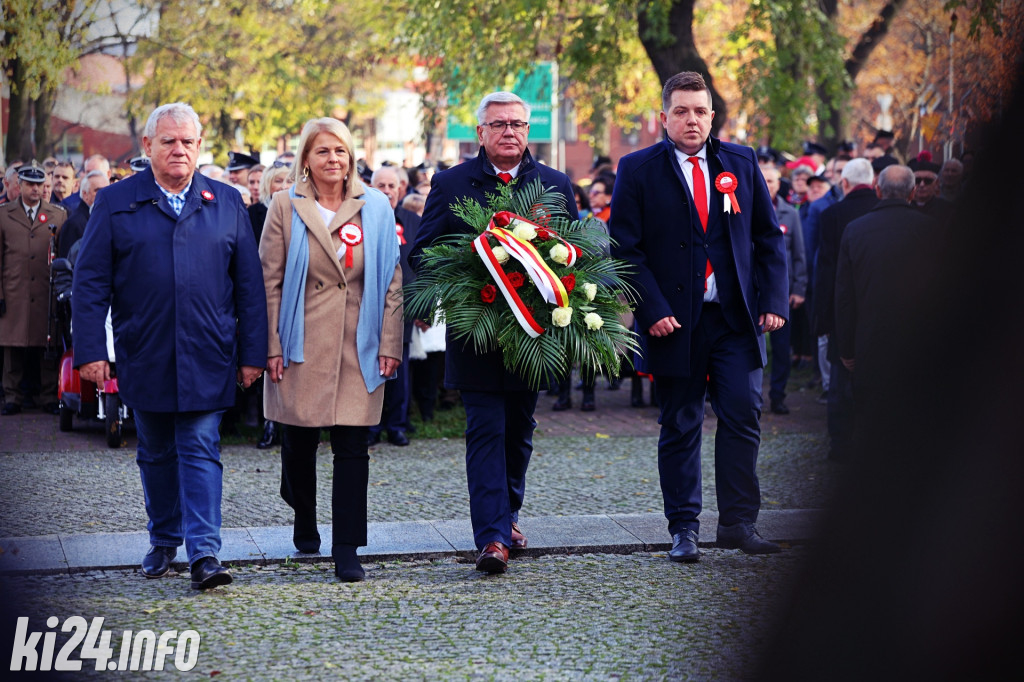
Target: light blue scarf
(380,256)
(291,323)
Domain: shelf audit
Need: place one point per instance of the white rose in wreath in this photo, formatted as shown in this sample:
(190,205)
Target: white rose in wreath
(593,321)
(501,254)
(560,316)
(559,254)
(590,289)
(524,232)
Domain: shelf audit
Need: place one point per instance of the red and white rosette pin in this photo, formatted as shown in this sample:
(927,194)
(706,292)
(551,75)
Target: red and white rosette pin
(400,231)
(42,217)
(726,184)
(351,235)
(207,194)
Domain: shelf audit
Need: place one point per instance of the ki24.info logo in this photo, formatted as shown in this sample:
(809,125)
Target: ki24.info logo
(142,650)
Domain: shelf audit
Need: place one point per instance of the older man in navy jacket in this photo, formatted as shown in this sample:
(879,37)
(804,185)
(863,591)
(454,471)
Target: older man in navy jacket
(172,254)
(499,405)
(694,217)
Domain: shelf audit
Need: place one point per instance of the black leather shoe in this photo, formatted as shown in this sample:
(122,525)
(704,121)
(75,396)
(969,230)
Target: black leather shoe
(306,536)
(744,537)
(52,408)
(372,438)
(207,573)
(157,562)
(10,409)
(588,406)
(779,408)
(561,405)
(684,547)
(346,564)
(398,438)
(271,436)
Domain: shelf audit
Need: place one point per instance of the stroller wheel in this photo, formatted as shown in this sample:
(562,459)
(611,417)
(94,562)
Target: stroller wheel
(112,407)
(67,416)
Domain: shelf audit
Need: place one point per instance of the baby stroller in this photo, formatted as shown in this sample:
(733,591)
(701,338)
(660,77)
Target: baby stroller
(77,396)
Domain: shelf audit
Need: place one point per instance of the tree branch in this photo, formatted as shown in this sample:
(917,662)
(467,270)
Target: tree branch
(870,39)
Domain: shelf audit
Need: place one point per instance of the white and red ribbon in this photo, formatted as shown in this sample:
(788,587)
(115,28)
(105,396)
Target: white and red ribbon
(351,235)
(726,183)
(400,231)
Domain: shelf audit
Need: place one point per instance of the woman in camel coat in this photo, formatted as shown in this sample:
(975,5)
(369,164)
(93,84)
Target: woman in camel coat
(331,269)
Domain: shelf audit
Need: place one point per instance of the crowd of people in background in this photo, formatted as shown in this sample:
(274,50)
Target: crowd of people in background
(803,186)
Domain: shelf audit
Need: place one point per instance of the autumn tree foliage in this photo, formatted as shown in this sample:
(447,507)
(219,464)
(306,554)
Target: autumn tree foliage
(258,69)
(816,69)
(913,66)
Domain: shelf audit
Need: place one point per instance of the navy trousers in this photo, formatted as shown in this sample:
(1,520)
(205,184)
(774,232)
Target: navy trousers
(722,362)
(781,363)
(499,442)
(394,416)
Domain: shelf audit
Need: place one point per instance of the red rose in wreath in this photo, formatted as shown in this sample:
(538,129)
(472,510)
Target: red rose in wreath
(516,279)
(502,218)
(569,282)
(488,293)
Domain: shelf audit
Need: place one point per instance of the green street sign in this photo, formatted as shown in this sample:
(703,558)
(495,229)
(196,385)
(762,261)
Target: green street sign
(535,89)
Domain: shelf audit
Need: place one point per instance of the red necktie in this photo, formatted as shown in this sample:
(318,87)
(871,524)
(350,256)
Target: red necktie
(505,177)
(700,197)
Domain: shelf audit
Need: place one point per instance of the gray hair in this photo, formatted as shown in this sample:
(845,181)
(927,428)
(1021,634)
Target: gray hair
(86,183)
(501,97)
(384,169)
(177,111)
(12,172)
(803,170)
(858,172)
(896,182)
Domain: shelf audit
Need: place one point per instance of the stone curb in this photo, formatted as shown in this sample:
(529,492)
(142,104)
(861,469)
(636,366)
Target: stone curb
(399,541)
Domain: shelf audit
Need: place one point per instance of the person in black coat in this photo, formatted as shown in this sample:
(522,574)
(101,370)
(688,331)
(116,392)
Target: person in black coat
(858,198)
(74,228)
(499,404)
(874,296)
(694,218)
(395,414)
(274,179)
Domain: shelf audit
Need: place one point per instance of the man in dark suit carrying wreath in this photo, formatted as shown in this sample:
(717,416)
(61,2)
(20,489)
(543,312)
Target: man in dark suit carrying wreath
(499,404)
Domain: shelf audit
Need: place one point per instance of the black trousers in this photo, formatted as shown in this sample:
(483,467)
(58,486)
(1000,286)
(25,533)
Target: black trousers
(351,477)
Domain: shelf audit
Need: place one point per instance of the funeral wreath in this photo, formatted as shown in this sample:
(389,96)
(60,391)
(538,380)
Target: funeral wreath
(529,281)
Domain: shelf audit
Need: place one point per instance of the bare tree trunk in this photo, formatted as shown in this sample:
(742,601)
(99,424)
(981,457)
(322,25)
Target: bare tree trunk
(18,104)
(672,49)
(43,109)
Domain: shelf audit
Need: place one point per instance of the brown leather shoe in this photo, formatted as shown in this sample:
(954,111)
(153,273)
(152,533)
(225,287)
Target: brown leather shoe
(493,558)
(518,539)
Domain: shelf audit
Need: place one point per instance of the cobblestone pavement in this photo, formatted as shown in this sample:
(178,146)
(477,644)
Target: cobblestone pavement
(557,617)
(591,617)
(99,491)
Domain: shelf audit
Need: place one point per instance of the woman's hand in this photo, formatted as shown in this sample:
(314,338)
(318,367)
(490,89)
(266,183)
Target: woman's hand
(388,366)
(275,368)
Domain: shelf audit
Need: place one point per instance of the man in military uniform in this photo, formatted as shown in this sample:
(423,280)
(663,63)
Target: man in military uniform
(28,226)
